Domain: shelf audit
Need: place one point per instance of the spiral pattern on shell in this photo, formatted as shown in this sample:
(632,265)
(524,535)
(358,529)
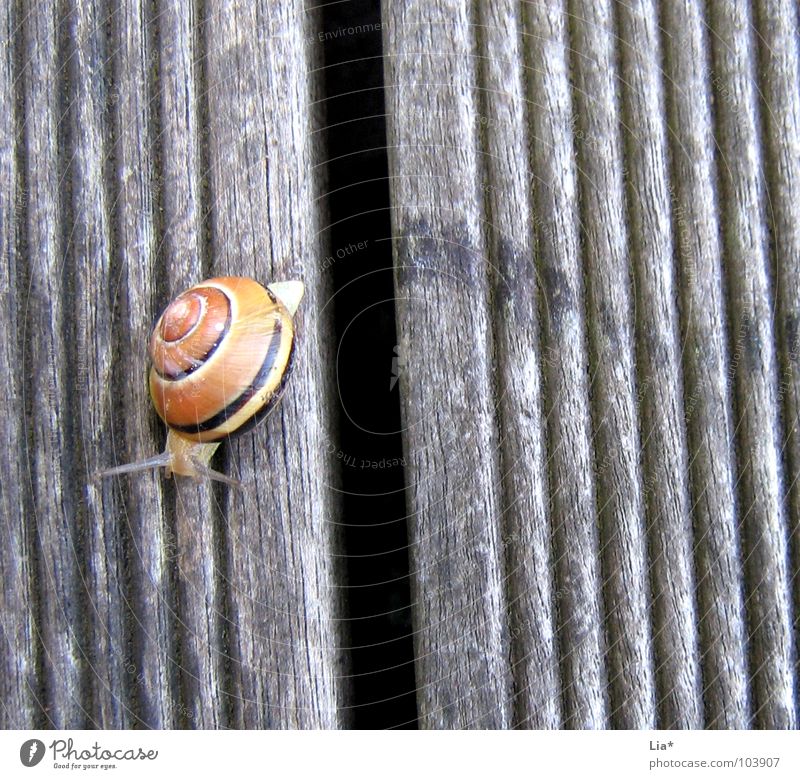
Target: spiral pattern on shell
(221,354)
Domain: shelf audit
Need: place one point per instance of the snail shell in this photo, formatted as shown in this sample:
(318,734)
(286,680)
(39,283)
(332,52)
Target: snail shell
(220,354)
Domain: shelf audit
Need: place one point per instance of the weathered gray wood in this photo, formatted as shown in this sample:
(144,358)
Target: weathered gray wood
(158,605)
(281,585)
(598,275)
(659,374)
(779,69)
(571,500)
(660,450)
(624,494)
(754,363)
(85,206)
(707,390)
(198,531)
(510,228)
(20,648)
(47,389)
(568,413)
(445,343)
(142,124)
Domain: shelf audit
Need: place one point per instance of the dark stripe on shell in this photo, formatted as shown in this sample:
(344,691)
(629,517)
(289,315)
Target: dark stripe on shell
(201,361)
(258,382)
(263,412)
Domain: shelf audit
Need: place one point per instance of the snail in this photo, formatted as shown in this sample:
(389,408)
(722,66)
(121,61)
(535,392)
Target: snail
(220,355)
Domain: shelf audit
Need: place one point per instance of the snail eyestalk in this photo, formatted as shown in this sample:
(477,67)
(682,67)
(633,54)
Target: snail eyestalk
(181,457)
(157,461)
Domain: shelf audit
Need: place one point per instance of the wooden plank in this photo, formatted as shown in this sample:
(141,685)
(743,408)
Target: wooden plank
(510,227)
(197,526)
(754,363)
(443,326)
(635,416)
(150,662)
(707,391)
(47,389)
(570,459)
(659,372)
(611,388)
(779,74)
(86,329)
(20,650)
(597,306)
(280,529)
(155,609)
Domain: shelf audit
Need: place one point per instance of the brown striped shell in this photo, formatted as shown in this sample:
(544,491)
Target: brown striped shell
(221,354)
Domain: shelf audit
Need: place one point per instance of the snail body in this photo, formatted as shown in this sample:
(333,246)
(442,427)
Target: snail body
(220,355)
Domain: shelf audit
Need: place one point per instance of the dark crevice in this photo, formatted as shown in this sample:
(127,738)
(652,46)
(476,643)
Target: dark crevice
(370,452)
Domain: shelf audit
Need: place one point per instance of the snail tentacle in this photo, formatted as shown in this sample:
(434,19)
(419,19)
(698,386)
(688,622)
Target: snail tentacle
(157,461)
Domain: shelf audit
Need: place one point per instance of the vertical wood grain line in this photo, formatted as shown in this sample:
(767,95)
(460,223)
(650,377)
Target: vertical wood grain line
(443,328)
(572,500)
(761,489)
(280,531)
(779,73)
(149,667)
(502,120)
(660,404)
(20,678)
(189,543)
(63,615)
(705,346)
(633,626)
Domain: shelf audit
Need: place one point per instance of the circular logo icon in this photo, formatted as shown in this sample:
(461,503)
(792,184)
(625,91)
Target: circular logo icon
(31,752)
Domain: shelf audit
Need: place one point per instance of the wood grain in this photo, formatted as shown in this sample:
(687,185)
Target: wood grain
(159,604)
(196,528)
(286,641)
(149,205)
(659,378)
(511,232)
(49,463)
(86,208)
(20,647)
(616,388)
(571,472)
(755,369)
(597,276)
(779,62)
(706,364)
(445,346)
